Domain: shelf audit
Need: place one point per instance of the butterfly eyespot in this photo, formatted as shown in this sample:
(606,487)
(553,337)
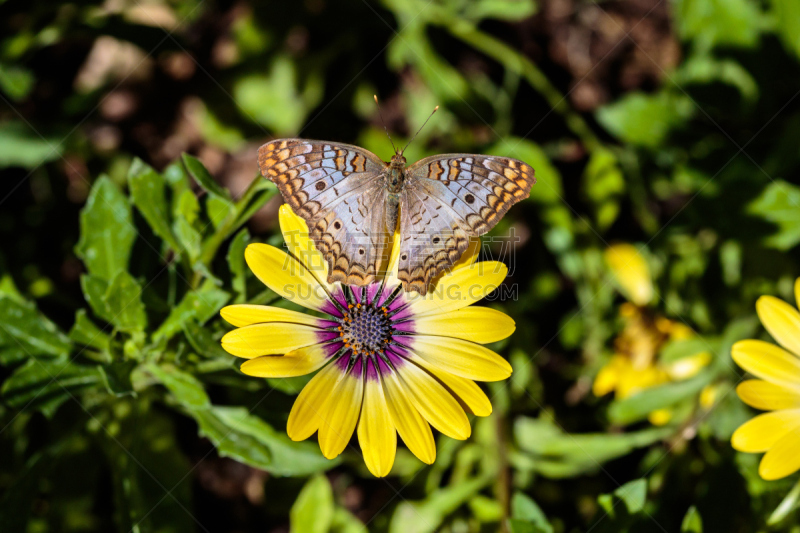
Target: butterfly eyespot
(436,240)
(337,225)
(404,257)
(361,252)
(469,198)
(320,185)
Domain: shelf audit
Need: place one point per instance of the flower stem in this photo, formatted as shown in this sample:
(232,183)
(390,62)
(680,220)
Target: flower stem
(788,505)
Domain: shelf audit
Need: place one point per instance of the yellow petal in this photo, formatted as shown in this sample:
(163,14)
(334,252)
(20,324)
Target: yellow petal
(268,339)
(476,324)
(797,291)
(686,367)
(459,288)
(376,432)
(295,363)
(308,410)
(767,361)
(413,428)
(462,358)
(342,414)
(467,259)
(768,396)
(709,395)
(245,315)
(465,390)
(782,459)
(633,381)
(781,320)
(296,235)
(434,402)
(608,377)
(631,272)
(285,275)
(394,259)
(763,431)
(660,417)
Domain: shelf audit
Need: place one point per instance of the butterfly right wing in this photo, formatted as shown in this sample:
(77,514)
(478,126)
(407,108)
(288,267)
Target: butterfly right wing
(336,188)
(449,199)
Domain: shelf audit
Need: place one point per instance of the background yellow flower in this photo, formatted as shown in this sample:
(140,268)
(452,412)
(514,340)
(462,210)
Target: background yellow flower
(777,390)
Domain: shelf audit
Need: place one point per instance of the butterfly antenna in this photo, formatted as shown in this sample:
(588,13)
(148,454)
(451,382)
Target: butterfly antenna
(384,123)
(435,109)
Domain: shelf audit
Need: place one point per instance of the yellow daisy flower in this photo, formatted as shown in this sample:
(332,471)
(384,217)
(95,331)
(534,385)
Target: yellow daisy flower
(635,366)
(777,390)
(387,361)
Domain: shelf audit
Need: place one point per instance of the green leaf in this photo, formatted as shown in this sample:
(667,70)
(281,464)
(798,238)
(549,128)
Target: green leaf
(148,195)
(788,505)
(604,184)
(511,10)
(485,509)
(705,69)
(246,438)
(637,407)
(237,265)
(24,327)
(94,290)
(16,81)
(118,377)
(218,210)
(556,454)
(203,341)
(123,300)
(718,22)
(44,385)
(633,494)
(425,516)
(214,131)
(20,146)
(199,305)
(204,178)
(185,387)
(344,522)
(786,14)
(107,231)
(313,509)
(274,99)
(680,348)
(9,289)
(191,240)
(692,522)
(646,120)
(524,509)
(85,332)
(11,355)
(779,204)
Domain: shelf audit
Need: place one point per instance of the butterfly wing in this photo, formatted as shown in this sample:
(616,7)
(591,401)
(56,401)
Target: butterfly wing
(448,199)
(337,189)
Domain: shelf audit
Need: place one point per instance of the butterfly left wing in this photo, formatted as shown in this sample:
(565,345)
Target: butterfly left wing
(448,199)
(338,190)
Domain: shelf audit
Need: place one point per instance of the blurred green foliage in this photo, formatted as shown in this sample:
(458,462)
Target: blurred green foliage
(671,125)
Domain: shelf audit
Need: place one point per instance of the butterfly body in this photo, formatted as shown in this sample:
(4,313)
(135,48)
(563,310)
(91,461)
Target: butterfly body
(395,180)
(353,201)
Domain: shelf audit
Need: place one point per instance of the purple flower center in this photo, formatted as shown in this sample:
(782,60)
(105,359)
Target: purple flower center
(365,328)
